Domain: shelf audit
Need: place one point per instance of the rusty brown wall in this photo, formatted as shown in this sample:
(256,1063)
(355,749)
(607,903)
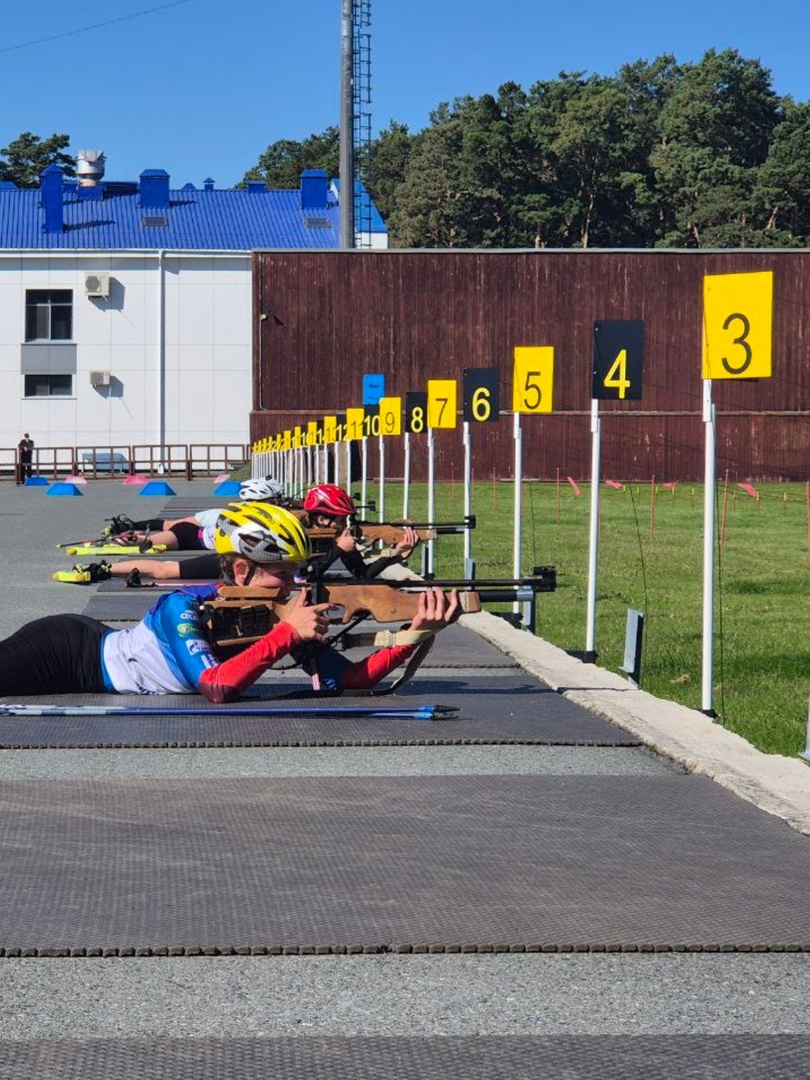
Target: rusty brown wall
(322,320)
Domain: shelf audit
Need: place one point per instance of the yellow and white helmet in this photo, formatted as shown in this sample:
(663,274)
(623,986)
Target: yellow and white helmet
(262,533)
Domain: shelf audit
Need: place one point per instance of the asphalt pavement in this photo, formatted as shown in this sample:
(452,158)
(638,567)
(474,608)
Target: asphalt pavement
(419,996)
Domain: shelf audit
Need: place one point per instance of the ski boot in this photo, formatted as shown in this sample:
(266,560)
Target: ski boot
(135,581)
(117,525)
(87,574)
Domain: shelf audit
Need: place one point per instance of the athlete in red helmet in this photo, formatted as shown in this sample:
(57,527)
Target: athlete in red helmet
(329,500)
(328,505)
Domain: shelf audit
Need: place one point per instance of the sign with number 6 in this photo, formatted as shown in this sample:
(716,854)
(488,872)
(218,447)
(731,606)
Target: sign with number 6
(481,397)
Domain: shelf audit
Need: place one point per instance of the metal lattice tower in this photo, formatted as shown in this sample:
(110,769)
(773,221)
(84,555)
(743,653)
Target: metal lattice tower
(361,125)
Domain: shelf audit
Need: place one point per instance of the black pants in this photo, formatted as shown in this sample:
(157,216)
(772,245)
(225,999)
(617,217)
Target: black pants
(60,654)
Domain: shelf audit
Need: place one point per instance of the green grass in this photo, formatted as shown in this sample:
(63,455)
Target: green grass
(651,558)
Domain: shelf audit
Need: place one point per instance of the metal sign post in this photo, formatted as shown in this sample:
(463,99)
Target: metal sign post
(406,475)
(431,496)
(618,360)
(593,539)
(737,344)
(708,550)
(517,435)
(481,405)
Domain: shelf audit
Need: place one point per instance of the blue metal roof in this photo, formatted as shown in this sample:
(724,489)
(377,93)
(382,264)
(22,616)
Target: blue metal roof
(225,220)
(366,213)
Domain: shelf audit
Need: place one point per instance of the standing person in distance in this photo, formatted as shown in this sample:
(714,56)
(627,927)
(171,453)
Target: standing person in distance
(25,455)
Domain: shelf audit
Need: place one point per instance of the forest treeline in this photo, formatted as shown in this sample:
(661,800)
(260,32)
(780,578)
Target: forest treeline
(661,154)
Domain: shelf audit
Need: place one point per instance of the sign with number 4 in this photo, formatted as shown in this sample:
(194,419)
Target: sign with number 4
(618,357)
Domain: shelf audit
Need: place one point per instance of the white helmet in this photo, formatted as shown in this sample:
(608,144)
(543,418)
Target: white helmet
(261,489)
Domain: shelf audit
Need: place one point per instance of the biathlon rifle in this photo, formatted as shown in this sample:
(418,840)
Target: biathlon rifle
(243,614)
(391,532)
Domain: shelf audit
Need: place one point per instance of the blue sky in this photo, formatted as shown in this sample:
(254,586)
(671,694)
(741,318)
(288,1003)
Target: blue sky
(201,87)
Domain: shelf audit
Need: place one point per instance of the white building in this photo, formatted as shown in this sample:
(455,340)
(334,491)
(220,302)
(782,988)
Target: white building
(126,308)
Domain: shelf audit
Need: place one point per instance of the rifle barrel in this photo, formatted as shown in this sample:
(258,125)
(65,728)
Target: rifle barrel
(545,582)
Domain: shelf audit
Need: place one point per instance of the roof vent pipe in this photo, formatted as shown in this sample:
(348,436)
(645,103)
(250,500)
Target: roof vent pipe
(208,184)
(155,189)
(314,187)
(50,182)
(89,167)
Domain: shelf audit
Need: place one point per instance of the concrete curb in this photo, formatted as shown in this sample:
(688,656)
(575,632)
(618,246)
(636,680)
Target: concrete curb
(774,783)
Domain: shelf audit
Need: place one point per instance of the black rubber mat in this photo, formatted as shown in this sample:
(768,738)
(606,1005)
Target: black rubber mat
(406,864)
(497,710)
(128,605)
(562,1057)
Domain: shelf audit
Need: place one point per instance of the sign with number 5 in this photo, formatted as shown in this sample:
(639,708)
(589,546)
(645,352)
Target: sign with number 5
(737,325)
(533,379)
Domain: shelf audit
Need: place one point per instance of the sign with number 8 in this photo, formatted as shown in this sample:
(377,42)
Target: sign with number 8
(416,412)
(737,325)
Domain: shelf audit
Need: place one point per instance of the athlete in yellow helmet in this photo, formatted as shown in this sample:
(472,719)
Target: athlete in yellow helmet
(169,651)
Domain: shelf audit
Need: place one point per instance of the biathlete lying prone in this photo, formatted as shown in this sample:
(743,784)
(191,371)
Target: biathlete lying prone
(168,652)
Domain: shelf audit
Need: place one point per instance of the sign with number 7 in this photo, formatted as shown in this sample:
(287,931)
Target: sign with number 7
(441,403)
(533,379)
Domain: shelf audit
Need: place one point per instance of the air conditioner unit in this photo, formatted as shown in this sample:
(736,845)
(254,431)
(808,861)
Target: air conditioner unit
(97,285)
(100,378)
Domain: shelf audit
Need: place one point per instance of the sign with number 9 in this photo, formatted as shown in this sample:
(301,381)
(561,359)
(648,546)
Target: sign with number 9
(737,325)
(390,416)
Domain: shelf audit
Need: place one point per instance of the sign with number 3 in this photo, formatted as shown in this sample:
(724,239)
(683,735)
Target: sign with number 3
(737,325)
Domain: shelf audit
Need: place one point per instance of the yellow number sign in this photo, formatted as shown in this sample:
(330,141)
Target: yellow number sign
(390,416)
(329,429)
(354,424)
(737,325)
(441,408)
(533,379)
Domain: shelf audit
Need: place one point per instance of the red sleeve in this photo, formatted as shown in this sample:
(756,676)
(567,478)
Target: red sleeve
(227,680)
(363,674)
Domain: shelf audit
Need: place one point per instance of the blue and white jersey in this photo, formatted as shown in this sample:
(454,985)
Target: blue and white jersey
(165,653)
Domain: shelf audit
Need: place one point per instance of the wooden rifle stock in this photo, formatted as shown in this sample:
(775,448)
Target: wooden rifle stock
(243,614)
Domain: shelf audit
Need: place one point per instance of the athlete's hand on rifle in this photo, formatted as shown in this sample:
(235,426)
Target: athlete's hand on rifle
(347,540)
(437,609)
(405,546)
(309,621)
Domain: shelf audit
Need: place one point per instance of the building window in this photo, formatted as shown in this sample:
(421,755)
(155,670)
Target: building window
(48,385)
(48,314)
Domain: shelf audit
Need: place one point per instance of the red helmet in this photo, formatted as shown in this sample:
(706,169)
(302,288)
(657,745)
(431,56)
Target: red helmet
(329,499)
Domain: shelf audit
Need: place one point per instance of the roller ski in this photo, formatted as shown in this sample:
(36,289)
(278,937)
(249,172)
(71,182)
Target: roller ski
(126,543)
(88,574)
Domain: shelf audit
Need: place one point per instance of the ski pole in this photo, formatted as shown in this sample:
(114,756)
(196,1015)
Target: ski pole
(419,712)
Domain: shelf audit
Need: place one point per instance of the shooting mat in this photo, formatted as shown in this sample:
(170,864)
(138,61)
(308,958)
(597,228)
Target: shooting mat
(574,1057)
(405,864)
(497,709)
